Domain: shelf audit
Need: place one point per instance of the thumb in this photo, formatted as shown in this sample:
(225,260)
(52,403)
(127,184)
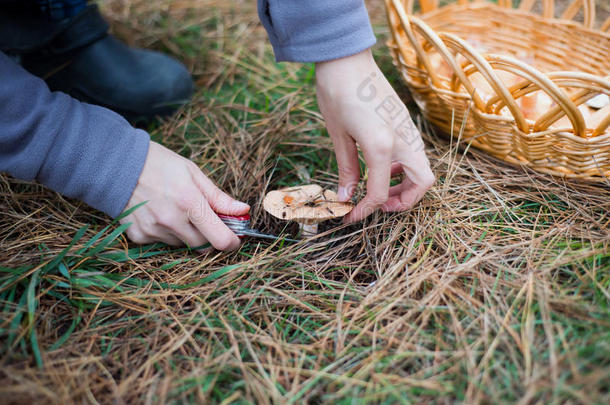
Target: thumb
(220,201)
(349,168)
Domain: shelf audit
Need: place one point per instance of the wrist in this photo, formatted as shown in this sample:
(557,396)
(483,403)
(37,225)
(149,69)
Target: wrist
(360,61)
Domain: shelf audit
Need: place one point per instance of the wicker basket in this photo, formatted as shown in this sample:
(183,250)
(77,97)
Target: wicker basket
(514,83)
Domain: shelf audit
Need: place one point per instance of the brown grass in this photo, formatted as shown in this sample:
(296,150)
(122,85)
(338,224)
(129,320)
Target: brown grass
(494,289)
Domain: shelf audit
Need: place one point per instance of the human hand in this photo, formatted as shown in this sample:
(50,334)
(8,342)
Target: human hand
(361,108)
(182,204)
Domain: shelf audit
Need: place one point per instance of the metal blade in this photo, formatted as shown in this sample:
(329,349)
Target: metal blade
(256,234)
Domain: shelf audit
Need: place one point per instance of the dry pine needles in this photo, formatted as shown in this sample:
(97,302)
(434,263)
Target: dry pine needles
(494,289)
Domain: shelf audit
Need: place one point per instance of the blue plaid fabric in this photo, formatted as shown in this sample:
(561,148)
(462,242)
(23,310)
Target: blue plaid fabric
(61,9)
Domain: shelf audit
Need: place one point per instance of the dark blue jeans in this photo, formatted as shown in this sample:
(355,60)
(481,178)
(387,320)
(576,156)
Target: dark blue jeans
(27,24)
(60,9)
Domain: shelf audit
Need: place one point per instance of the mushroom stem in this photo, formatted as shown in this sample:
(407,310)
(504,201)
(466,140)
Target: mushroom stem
(307,230)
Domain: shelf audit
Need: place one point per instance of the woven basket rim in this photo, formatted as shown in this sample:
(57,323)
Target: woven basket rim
(580,150)
(462,95)
(488,4)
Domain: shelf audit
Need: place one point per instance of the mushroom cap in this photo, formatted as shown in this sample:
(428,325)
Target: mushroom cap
(307,204)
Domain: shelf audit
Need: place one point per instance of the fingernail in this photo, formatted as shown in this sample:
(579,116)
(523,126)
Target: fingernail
(238,205)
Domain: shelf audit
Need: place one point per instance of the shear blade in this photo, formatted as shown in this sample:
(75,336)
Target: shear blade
(264,235)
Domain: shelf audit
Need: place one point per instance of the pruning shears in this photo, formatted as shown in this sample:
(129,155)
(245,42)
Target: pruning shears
(240,224)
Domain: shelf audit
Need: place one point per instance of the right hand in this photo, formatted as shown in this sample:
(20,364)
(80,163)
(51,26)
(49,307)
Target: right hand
(182,204)
(389,139)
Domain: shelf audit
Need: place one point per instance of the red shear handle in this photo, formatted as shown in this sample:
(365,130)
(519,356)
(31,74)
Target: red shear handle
(245,217)
(236,223)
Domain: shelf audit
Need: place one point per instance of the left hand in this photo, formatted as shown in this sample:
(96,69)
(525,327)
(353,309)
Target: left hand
(361,108)
(182,204)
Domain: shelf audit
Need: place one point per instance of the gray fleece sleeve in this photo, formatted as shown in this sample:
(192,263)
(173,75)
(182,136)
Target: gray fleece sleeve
(78,149)
(316,30)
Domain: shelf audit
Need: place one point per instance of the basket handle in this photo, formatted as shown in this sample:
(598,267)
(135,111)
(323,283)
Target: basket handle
(588,7)
(485,69)
(411,23)
(407,23)
(548,9)
(431,5)
(422,57)
(442,41)
(591,86)
(602,126)
(544,83)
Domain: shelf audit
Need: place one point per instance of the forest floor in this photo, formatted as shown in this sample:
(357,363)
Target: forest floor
(495,288)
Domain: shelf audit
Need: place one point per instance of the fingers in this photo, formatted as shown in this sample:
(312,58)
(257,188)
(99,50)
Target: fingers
(220,202)
(189,235)
(212,228)
(137,236)
(216,201)
(170,239)
(396,168)
(174,233)
(418,179)
(151,235)
(378,158)
(405,195)
(176,210)
(349,167)
(171,229)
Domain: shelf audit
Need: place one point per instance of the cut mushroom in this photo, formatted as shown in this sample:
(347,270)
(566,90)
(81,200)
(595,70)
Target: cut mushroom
(307,205)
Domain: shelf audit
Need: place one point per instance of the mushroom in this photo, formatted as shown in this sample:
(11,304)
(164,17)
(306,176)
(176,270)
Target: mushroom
(307,205)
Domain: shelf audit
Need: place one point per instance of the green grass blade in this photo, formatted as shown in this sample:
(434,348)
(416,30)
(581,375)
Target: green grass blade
(107,241)
(79,234)
(36,348)
(62,339)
